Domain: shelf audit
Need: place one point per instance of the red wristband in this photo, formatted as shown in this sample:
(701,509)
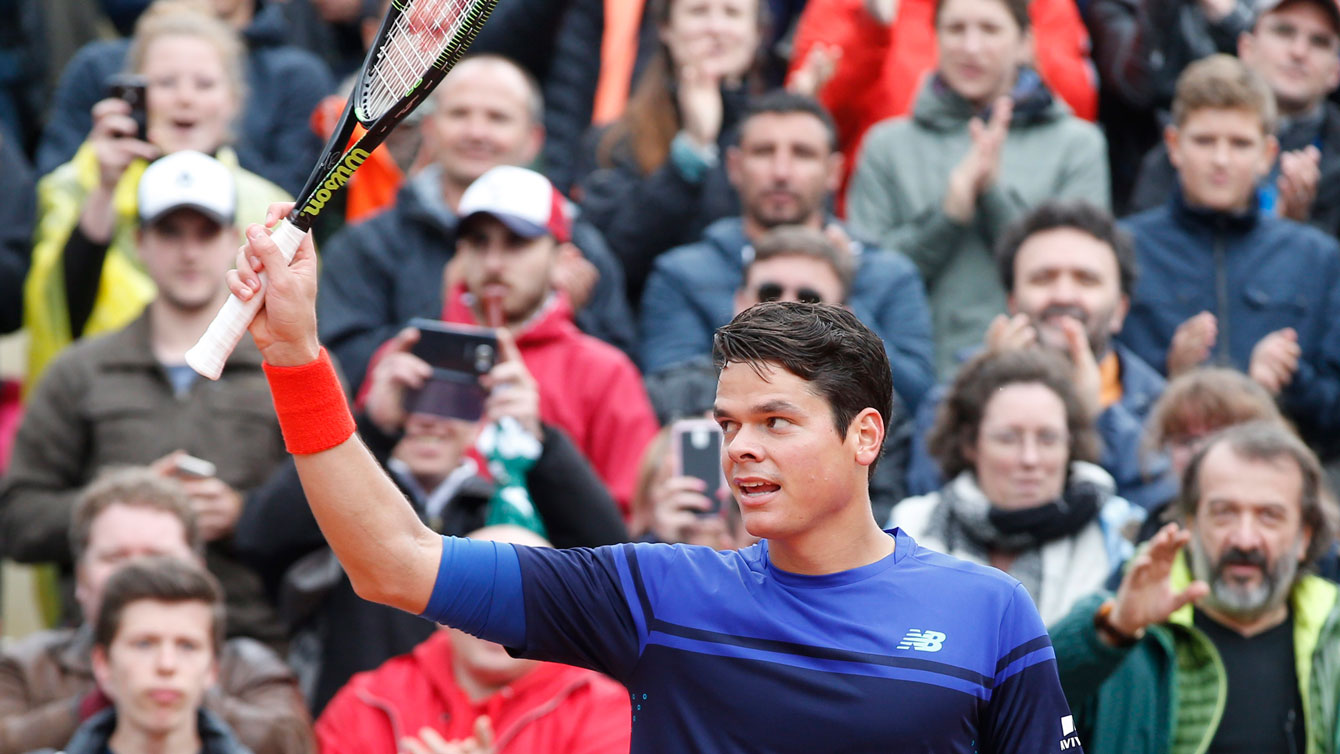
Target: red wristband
(313,412)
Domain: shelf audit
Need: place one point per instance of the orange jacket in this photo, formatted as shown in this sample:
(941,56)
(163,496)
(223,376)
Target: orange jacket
(882,67)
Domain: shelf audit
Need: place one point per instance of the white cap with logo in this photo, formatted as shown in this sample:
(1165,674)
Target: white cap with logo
(187,179)
(523,200)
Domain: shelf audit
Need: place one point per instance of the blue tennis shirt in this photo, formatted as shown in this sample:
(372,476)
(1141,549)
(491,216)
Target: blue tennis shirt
(723,652)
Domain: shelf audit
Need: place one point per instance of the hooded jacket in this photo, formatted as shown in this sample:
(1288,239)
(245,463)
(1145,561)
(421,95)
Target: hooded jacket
(897,197)
(371,288)
(1257,274)
(553,709)
(884,67)
(691,291)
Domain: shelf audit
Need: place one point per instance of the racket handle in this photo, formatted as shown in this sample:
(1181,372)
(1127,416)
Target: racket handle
(208,355)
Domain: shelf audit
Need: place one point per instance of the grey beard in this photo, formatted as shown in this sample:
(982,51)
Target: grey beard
(1276,583)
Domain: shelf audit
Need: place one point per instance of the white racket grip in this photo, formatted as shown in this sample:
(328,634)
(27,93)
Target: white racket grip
(208,355)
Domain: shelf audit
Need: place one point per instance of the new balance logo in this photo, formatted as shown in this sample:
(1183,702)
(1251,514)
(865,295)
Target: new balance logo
(922,641)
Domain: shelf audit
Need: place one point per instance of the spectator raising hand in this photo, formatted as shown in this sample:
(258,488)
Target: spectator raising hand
(980,167)
(1275,360)
(430,741)
(1192,342)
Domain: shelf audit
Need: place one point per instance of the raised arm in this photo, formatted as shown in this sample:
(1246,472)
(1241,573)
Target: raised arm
(390,556)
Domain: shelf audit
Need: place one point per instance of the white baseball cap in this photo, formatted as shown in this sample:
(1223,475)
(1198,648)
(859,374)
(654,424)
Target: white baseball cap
(187,179)
(523,200)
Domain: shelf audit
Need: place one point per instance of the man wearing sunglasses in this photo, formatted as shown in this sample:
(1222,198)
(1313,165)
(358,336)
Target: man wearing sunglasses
(785,169)
(795,263)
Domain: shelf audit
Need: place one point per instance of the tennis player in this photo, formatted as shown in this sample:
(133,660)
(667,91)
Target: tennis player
(830,635)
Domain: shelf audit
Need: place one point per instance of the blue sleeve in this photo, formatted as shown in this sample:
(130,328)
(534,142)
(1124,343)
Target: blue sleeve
(1027,711)
(478,590)
(585,607)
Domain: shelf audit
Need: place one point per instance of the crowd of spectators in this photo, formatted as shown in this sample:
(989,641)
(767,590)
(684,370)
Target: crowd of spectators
(1098,239)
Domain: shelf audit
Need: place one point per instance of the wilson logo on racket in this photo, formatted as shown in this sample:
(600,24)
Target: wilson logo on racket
(338,177)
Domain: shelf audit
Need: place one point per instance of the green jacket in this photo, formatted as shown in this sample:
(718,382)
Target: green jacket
(899,184)
(1167,693)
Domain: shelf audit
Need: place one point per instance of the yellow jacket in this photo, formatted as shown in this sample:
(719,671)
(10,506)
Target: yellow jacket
(124,287)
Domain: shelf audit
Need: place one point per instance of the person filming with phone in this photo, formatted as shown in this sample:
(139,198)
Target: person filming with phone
(186,94)
(511,237)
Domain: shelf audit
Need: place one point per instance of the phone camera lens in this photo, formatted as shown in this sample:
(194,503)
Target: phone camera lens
(483,358)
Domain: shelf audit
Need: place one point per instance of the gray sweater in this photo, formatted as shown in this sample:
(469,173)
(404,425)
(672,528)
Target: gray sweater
(897,193)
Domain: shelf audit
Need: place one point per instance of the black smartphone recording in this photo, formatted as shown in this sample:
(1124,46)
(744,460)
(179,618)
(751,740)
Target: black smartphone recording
(134,90)
(697,444)
(459,356)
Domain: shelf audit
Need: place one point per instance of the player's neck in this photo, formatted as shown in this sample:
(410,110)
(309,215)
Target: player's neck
(849,539)
(126,738)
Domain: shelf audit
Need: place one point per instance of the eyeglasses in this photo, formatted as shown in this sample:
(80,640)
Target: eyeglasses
(1014,439)
(774,292)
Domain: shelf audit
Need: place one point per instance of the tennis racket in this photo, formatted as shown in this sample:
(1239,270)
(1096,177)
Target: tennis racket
(418,43)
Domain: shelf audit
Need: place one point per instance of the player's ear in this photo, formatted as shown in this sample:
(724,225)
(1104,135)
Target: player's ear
(867,432)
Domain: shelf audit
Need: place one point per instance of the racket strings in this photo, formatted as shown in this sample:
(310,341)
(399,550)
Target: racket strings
(415,42)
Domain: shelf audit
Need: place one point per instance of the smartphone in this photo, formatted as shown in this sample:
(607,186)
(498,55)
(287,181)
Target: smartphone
(194,468)
(459,356)
(134,89)
(697,447)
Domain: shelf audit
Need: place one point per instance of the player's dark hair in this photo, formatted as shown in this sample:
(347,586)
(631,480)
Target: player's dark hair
(1078,215)
(958,420)
(157,579)
(823,344)
(1270,441)
(782,102)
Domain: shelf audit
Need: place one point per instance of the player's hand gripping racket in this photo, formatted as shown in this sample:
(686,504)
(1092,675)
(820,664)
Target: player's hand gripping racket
(418,43)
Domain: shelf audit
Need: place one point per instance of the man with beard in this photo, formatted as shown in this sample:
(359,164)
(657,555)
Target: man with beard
(1233,647)
(785,170)
(1068,272)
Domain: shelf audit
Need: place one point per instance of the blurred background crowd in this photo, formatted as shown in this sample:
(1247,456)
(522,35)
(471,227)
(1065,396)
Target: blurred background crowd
(1091,233)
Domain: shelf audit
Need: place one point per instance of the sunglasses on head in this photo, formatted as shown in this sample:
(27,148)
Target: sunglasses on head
(774,291)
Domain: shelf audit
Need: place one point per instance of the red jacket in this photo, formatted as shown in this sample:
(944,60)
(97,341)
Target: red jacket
(588,388)
(882,67)
(552,709)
